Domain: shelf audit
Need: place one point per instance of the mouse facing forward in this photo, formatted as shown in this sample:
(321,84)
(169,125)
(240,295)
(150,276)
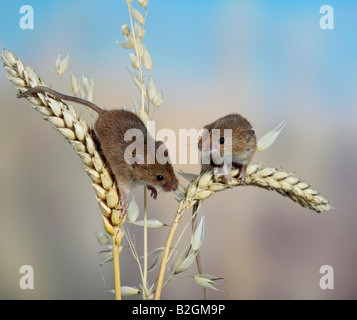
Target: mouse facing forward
(229,142)
(110,129)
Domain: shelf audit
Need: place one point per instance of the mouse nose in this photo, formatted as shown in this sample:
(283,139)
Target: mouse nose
(171,186)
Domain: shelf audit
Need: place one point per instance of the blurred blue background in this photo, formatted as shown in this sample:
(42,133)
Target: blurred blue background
(269,61)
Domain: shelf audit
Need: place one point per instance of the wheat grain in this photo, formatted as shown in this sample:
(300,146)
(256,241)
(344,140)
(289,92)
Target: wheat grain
(282,182)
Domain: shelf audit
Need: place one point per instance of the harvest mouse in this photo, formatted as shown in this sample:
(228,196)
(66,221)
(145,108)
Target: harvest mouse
(110,129)
(234,148)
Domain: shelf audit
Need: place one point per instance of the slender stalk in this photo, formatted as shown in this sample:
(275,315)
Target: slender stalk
(160,279)
(116,266)
(145,243)
(198,256)
(137,56)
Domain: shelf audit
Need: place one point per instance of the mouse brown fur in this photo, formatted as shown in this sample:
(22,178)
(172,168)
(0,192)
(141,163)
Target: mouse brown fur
(242,145)
(110,129)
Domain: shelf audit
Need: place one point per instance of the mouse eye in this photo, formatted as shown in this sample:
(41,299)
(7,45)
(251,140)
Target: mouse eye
(221,140)
(160,177)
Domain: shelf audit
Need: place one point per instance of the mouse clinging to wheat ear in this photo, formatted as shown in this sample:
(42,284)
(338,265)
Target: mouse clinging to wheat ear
(110,129)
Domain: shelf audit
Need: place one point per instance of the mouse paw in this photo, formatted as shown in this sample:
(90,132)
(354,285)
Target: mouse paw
(123,206)
(153,191)
(226,178)
(242,174)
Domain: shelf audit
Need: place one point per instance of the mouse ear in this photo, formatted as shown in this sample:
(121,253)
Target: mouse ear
(247,135)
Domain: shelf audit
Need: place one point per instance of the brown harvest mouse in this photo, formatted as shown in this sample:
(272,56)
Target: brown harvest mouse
(235,149)
(110,129)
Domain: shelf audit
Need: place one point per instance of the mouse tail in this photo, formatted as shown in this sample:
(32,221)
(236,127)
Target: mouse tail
(42,89)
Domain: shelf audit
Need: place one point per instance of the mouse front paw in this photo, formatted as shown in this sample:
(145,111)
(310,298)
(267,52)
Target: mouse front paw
(153,191)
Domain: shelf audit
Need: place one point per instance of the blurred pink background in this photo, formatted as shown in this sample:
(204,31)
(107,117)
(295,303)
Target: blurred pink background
(267,62)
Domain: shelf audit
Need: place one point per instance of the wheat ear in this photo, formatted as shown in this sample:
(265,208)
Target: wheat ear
(206,184)
(76,131)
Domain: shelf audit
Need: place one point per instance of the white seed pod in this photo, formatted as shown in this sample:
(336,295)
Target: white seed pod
(129,291)
(61,66)
(204,180)
(85,83)
(269,138)
(123,44)
(143,3)
(293,180)
(151,223)
(267,172)
(186,263)
(134,61)
(206,281)
(93,174)
(143,116)
(133,211)
(204,194)
(139,47)
(11,71)
(68,118)
(125,29)
(198,235)
(106,211)
(130,41)
(55,106)
(106,179)
(112,198)
(68,133)
(9,57)
(102,238)
(78,146)
(100,192)
(253,168)
(20,68)
(75,84)
(217,187)
(151,89)
(158,100)
(147,62)
(56,121)
(139,31)
(280,175)
(90,144)
(97,161)
(191,191)
(18,81)
(108,227)
(138,16)
(182,256)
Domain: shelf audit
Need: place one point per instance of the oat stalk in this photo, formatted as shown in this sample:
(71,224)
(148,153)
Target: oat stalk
(206,184)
